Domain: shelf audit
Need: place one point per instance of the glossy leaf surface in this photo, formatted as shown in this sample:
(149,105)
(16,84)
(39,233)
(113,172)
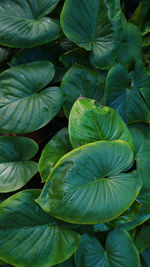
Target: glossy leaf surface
(88,24)
(90,122)
(119,251)
(16,168)
(122,93)
(23,106)
(88,186)
(24,23)
(30,237)
(57,147)
(81,81)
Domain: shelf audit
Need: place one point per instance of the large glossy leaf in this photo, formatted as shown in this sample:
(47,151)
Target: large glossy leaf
(141,136)
(57,147)
(24,24)
(119,251)
(90,122)
(30,237)
(49,52)
(88,186)
(81,81)
(88,24)
(16,169)
(125,217)
(122,92)
(24,106)
(142,241)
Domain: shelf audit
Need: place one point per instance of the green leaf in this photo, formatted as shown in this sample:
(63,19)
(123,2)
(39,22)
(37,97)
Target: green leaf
(57,147)
(23,106)
(144,213)
(122,92)
(77,55)
(90,122)
(141,136)
(142,241)
(145,257)
(91,193)
(120,251)
(3,54)
(129,44)
(126,217)
(30,237)
(49,52)
(2,263)
(16,169)
(88,24)
(80,81)
(68,263)
(146,95)
(24,23)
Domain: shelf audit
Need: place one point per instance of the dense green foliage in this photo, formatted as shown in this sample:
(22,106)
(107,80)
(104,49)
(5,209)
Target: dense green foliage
(85,64)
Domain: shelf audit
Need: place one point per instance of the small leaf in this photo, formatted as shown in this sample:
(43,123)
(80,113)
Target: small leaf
(120,251)
(90,122)
(57,147)
(16,168)
(30,237)
(123,94)
(80,81)
(142,241)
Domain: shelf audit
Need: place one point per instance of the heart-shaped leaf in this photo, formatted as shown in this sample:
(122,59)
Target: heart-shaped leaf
(88,186)
(141,136)
(144,213)
(81,81)
(30,237)
(142,241)
(16,169)
(24,24)
(122,92)
(57,147)
(23,106)
(90,122)
(88,24)
(120,251)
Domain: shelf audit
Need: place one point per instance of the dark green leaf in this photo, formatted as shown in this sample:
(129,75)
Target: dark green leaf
(122,92)
(16,169)
(81,81)
(30,237)
(24,23)
(23,106)
(57,147)
(120,251)
(143,239)
(88,24)
(88,186)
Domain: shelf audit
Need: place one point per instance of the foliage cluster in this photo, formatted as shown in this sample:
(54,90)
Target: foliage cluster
(86,65)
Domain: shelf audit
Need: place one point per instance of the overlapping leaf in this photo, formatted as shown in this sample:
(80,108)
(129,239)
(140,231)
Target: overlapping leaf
(81,81)
(119,251)
(88,24)
(90,122)
(24,106)
(123,94)
(30,237)
(57,147)
(16,168)
(88,186)
(24,23)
